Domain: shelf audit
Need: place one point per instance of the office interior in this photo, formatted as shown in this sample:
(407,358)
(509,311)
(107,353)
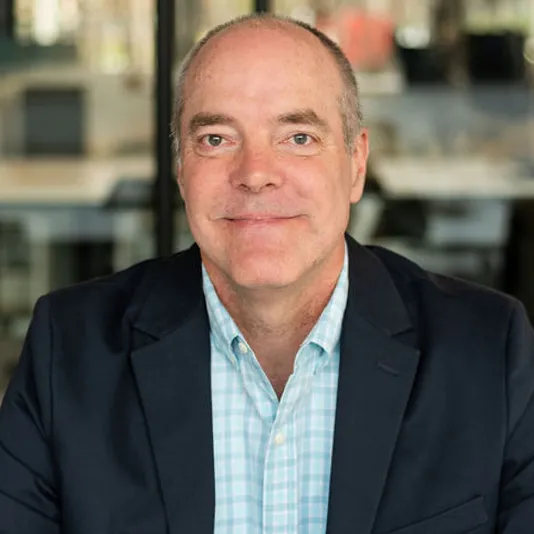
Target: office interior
(446,89)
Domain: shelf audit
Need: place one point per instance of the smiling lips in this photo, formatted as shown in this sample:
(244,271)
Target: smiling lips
(259,221)
(259,218)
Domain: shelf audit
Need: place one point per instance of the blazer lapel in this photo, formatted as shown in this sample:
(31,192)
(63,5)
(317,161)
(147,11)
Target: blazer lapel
(377,370)
(171,363)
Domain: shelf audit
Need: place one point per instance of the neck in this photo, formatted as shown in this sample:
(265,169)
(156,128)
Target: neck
(276,321)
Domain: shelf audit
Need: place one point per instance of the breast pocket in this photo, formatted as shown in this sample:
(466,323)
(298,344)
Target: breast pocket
(457,520)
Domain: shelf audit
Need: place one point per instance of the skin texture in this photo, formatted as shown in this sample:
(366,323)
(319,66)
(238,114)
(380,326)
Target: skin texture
(268,182)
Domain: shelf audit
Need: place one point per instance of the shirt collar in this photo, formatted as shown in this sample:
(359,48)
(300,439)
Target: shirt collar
(327,330)
(325,333)
(222,326)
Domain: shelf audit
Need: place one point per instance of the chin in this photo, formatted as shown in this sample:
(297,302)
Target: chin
(263,271)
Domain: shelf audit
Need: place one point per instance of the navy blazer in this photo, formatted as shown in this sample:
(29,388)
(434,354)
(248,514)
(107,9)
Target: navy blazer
(106,427)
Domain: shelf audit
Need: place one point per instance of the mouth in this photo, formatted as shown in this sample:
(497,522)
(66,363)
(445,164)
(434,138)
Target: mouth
(259,220)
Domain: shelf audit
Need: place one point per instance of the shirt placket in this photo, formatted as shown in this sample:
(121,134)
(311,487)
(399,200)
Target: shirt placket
(280,471)
(280,489)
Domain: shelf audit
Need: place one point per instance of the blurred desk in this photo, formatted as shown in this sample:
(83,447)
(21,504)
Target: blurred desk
(467,201)
(43,183)
(470,178)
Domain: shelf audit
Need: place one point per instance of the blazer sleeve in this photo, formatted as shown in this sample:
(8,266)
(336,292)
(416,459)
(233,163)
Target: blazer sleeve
(516,514)
(28,490)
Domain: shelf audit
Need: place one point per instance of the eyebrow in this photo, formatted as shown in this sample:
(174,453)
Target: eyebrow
(299,116)
(304,116)
(208,119)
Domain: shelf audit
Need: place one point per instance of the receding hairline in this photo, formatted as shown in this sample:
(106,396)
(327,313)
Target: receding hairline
(267,21)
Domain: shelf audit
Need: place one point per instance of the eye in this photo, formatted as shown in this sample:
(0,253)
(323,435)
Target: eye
(213,140)
(301,139)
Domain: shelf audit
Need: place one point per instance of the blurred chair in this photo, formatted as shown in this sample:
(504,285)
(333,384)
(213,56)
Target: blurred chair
(495,57)
(423,65)
(466,242)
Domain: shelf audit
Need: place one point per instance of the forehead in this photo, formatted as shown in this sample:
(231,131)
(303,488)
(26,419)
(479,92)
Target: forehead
(262,61)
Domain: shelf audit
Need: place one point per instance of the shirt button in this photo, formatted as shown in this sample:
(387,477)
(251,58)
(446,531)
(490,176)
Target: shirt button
(279,439)
(243,349)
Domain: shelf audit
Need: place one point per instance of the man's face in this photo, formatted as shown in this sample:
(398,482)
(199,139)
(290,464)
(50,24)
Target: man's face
(265,174)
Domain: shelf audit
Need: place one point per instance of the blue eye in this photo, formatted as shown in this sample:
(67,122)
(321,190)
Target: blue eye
(214,140)
(301,138)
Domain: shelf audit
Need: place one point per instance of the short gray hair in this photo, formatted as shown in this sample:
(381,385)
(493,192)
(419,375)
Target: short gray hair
(349,100)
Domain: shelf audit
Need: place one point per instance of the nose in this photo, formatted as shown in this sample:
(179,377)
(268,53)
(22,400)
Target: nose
(256,169)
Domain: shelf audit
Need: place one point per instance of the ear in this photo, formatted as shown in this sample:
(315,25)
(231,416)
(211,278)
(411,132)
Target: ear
(360,153)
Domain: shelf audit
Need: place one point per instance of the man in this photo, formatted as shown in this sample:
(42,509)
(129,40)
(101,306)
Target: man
(279,378)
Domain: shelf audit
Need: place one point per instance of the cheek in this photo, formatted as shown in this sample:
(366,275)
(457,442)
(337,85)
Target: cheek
(194,201)
(326,185)
(198,187)
(204,199)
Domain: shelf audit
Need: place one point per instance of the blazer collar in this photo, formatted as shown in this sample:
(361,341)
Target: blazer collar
(170,293)
(373,294)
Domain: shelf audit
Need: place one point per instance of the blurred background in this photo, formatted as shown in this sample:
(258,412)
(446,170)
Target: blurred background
(85,170)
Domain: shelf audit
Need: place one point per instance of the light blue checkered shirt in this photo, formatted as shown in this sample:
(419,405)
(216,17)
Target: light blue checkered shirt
(273,458)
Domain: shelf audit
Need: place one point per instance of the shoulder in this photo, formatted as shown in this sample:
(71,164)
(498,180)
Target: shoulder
(445,297)
(124,292)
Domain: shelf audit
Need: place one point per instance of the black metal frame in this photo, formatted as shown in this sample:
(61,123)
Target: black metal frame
(7,29)
(262,5)
(165,188)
